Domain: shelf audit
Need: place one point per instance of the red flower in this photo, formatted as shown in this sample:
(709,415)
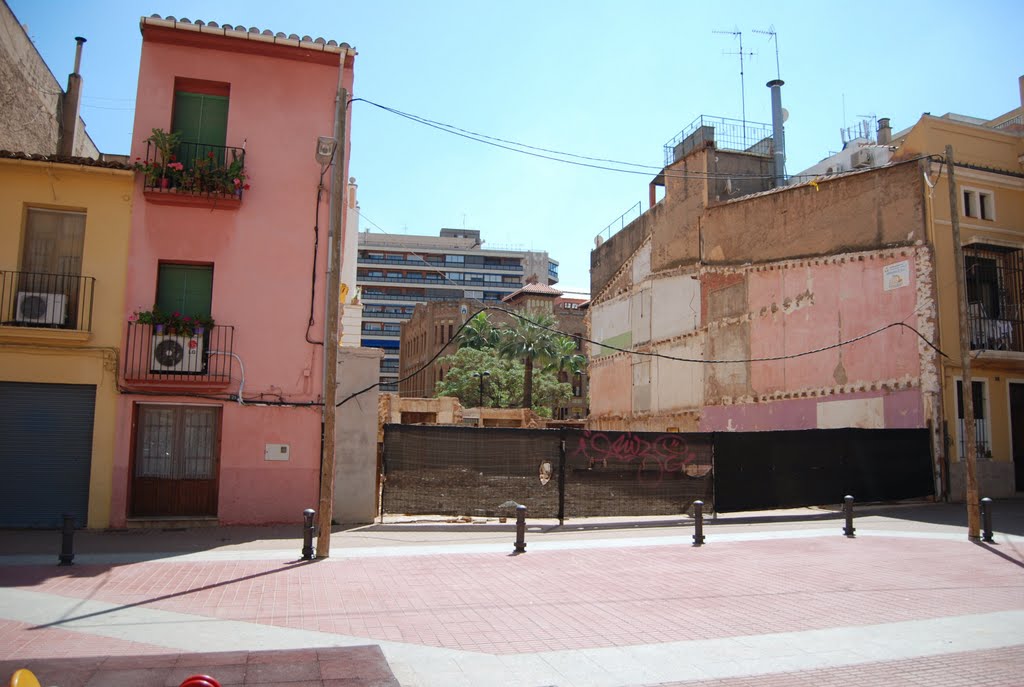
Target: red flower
(210,155)
(246,187)
(171,158)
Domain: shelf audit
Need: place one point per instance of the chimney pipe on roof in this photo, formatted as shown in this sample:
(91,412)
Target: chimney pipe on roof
(884,132)
(778,134)
(69,105)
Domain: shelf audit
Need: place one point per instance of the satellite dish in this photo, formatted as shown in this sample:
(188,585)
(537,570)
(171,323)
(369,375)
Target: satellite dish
(598,241)
(463,309)
(785,115)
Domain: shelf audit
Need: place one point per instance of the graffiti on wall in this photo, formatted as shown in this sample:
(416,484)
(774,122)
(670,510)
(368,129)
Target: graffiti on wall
(655,456)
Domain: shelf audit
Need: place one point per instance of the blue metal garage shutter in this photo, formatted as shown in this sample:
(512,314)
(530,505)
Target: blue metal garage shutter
(45,452)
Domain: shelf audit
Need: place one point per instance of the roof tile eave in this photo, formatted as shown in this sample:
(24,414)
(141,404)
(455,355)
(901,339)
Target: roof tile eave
(242,33)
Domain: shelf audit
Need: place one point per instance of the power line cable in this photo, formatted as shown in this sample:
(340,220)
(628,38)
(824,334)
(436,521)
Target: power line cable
(650,354)
(526,149)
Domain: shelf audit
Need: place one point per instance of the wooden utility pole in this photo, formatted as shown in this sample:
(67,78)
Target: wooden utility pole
(967,389)
(326,511)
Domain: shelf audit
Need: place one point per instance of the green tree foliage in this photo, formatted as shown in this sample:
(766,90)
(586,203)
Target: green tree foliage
(478,333)
(534,345)
(503,388)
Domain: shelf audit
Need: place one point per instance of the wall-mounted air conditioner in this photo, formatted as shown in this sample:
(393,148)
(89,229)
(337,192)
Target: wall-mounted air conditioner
(177,354)
(860,158)
(41,308)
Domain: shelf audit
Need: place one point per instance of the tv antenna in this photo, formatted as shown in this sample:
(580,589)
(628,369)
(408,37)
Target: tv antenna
(772,36)
(736,33)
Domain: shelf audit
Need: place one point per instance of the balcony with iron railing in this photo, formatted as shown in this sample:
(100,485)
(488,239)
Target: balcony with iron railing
(422,263)
(994,280)
(197,173)
(34,304)
(196,358)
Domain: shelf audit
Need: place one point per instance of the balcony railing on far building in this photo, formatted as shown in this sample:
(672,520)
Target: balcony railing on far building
(995,295)
(200,357)
(197,170)
(45,300)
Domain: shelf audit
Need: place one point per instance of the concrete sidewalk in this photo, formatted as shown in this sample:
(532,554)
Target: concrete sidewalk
(768,600)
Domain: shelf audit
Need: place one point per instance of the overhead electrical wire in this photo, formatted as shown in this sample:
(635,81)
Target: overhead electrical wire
(559,156)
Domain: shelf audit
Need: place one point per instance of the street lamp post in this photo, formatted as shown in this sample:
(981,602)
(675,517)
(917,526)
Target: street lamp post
(480,376)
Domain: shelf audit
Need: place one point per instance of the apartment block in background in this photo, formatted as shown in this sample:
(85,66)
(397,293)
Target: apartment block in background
(397,272)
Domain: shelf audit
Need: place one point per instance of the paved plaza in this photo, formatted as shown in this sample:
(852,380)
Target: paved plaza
(771,599)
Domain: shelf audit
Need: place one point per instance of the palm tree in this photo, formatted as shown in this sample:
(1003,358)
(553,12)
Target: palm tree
(526,341)
(567,357)
(478,334)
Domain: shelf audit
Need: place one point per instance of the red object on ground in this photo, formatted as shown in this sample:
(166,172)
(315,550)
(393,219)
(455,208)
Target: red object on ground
(200,681)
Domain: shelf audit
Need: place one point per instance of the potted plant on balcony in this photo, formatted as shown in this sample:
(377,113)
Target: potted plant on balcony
(165,144)
(172,324)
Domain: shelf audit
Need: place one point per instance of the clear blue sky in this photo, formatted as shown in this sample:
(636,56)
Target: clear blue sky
(607,79)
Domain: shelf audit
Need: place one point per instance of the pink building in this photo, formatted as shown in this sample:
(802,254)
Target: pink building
(222,367)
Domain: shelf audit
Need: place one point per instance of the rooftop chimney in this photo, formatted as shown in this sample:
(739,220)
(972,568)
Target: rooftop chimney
(778,135)
(70,103)
(884,132)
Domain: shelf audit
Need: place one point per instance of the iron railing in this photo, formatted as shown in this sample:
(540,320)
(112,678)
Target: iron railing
(620,222)
(995,297)
(197,169)
(203,356)
(42,299)
(406,262)
(724,134)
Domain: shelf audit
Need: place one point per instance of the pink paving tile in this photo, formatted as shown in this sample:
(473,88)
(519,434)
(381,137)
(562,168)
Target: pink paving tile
(992,668)
(577,598)
(20,641)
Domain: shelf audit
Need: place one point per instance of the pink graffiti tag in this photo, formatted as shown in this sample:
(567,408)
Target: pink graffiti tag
(666,453)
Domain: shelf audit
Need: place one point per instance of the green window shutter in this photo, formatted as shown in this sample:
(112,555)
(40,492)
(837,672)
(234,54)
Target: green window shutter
(202,121)
(213,128)
(187,289)
(188,115)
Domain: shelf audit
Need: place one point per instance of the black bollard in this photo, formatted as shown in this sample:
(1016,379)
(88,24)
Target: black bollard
(848,530)
(307,534)
(520,529)
(986,520)
(698,523)
(67,541)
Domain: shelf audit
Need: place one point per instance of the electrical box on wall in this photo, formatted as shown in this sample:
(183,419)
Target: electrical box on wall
(276,452)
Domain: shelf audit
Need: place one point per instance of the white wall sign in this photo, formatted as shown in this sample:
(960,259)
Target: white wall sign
(896,275)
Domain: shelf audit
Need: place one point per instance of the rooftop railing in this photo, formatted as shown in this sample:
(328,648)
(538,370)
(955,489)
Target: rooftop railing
(724,134)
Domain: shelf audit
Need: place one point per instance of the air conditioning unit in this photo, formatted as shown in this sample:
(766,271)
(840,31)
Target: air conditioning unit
(860,158)
(41,308)
(177,354)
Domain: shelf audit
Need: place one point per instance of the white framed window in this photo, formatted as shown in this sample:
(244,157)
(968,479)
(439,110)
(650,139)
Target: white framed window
(978,203)
(982,426)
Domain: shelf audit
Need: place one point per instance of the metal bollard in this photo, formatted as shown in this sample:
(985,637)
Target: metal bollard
(848,530)
(67,542)
(520,529)
(698,523)
(986,520)
(307,534)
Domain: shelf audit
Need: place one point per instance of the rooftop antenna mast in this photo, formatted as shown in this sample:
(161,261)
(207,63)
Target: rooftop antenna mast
(736,33)
(772,36)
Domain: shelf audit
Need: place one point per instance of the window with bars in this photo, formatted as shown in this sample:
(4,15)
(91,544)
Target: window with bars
(982,439)
(994,277)
(177,442)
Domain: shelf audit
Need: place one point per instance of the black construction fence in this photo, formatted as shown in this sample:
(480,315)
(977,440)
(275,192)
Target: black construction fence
(571,473)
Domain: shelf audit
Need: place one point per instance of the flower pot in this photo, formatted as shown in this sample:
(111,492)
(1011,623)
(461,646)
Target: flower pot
(164,183)
(199,331)
(158,328)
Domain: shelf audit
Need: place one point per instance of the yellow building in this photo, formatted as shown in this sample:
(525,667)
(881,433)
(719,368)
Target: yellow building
(989,195)
(64,227)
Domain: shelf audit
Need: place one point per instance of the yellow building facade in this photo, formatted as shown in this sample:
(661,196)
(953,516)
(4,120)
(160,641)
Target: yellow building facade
(64,231)
(989,200)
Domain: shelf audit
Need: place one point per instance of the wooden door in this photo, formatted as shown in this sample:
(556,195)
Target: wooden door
(1017,432)
(176,461)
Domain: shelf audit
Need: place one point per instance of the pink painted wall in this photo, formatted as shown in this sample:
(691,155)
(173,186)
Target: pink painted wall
(902,409)
(262,254)
(846,300)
